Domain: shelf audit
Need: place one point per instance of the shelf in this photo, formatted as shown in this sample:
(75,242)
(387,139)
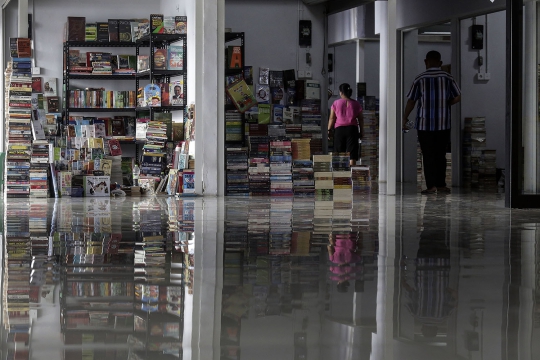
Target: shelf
(100,110)
(231,36)
(100,44)
(161,38)
(102,77)
(158,73)
(161,108)
(135,142)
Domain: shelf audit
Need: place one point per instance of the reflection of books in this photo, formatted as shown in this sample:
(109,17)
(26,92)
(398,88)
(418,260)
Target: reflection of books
(242,96)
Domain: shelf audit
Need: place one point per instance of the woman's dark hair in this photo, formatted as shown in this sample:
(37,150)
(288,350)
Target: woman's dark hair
(345,89)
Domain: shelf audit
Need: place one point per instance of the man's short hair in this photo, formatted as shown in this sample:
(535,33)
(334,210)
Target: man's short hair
(433,55)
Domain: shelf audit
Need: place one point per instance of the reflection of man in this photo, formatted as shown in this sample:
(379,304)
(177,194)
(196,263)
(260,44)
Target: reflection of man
(431,300)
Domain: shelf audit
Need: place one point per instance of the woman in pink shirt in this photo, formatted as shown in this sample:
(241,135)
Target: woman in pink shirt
(346,117)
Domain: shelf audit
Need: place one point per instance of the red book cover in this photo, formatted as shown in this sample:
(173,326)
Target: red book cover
(114,146)
(165,94)
(36,85)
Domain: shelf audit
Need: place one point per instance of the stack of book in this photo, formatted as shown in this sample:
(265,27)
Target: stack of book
(303,178)
(361,180)
(370,145)
(276,132)
(340,161)
(18,79)
(311,123)
(342,186)
(237,171)
(293,131)
(474,142)
(301,149)
(233,126)
(303,214)
(487,171)
(100,98)
(280,168)
(101,68)
(153,158)
(322,167)
(39,167)
(259,165)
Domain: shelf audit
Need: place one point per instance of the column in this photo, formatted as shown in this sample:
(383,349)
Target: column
(360,61)
(530,101)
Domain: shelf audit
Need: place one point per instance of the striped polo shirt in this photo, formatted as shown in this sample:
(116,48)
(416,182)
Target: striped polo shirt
(433,89)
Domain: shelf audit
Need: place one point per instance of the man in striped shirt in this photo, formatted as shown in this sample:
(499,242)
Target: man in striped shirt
(436,91)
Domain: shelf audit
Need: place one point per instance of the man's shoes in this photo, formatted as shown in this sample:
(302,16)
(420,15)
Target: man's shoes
(444,190)
(428,191)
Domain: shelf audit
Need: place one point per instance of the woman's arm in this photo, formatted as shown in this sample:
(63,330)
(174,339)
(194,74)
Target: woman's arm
(361,123)
(332,120)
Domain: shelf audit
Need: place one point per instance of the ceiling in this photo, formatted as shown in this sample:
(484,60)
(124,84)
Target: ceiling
(335,6)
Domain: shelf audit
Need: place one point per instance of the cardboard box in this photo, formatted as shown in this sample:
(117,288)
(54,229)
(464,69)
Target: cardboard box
(97,186)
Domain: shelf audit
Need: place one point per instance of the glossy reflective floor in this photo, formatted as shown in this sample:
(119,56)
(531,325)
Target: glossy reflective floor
(406,277)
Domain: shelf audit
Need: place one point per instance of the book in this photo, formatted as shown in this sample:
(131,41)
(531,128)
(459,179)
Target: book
(234,57)
(134,30)
(156,24)
(76,28)
(114,147)
(118,128)
(95,186)
(188,182)
(103,31)
(124,30)
(36,84)
(176,92)
(49,87)
(262,93)
(24,49)
(248,74)
(175,58)
(277,117)
(143,63)
(90,32)
(169,25)
(181,24)
(264,113)
(105,165)
(312,90)
(177,131)
(160,59)
(113,30)
(152,95)
(143,28)
(241,96)
(52,104)
(165,90)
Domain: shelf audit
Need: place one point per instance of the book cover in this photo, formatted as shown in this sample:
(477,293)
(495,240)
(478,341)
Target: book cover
(134,30)
(234,57)
(24,49)
(165,90)
(312,90)
(188,182)
(277,117)
(289,78)
(169,25)
(264,113)
(177,131)
(175,58)
(64,183)
(124,30)
(156,23)
(176,92)
(74,57)
(96,186)
(143,28)
(143,63)
(160,59)
(49,87)
(103,31)
(181,24)
(100,129)
(90,32)
(262,94)
(76,28)
(114,147)
(241,96)
(172,183)
(140,129)
(277,95)
(118,128)
(130,126)
(36,84)
(113,30)
(53,104)
(122,61)
(105,165)
(248,74)
(152,95)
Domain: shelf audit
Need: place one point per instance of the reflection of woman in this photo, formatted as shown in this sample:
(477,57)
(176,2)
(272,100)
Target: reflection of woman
(343,253)
(346,117)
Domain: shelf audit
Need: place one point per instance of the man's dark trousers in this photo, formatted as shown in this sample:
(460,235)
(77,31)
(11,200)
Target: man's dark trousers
(433,145)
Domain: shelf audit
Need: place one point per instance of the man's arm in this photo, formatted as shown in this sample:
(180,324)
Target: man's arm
(408,109)
(455,100)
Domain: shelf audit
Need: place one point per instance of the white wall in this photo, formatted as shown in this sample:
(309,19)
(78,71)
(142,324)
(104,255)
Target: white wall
(486,98)
(344,68)
(413,13)
(271,33)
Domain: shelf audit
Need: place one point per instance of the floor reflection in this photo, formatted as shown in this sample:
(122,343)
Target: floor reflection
(446,277)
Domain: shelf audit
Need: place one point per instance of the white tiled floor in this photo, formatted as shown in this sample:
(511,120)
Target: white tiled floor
(406,277)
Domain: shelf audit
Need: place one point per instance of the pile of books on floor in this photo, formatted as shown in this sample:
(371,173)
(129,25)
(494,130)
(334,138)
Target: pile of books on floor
(237,171)
(311,119)
(340,161)
(342,186)
(281,168)
(293,131)
(39,167)
(370,146)
(233,126)
(474,142)
(303,180)
(259,165)
(154,155)
(361,180)
(322,168)
(276,132)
